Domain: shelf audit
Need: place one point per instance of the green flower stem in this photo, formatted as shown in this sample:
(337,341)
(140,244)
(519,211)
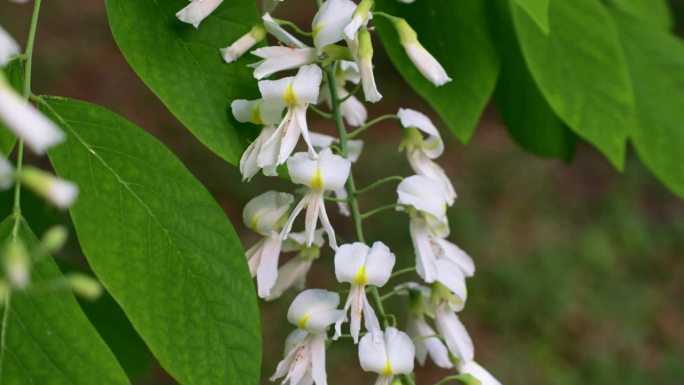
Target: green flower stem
(379,210)
(292,25)
(370,124)
(320,113)
(403,271)
(379,183)
(352,93)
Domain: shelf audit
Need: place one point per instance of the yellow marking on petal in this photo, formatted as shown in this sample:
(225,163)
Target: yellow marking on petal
(387,370)
(430,144)
(290,97)
(361,277)
(316,30)
(302,321)
(316,180)
(256,114)
(255,222)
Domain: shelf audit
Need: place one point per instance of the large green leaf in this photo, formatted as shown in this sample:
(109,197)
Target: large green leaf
(456,33)
(528,117)
(656,64)
(161,246)
(655,12)
(14,73)
(49,339)
(581,71)
(538,11)
(183,66)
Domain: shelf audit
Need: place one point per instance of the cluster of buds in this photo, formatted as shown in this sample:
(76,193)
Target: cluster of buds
(341,52)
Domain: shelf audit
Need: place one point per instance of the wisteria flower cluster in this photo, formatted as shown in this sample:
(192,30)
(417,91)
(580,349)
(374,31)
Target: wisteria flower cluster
(340,55)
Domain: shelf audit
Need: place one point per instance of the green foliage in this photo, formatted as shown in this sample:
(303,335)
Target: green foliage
(656,64)
(528,117)
(655,12)
(184,68)
(581,71)
(49,339)
(161,246)
(14,73)
(456,33)
(538,11)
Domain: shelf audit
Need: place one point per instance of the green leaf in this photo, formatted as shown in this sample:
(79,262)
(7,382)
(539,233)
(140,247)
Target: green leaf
(656,64)
(161,246)
(49,339)
(581,71)
(538,11)
(14,73)
(528,117)
(456,33)
(655,12)
(183,66)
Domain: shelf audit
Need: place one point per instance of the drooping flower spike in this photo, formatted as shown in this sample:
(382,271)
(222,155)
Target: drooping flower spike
(392,355)
(312,312)
(360,266)
(329,23)
(265,215)
(8,47)
(296,93)
(420,150)
(294,272)
(327,173)
(198,10)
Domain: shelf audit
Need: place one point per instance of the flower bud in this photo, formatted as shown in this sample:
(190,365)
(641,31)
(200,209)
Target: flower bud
(55,238)
(17,262)
(359,17)
(84,286)
(60,192)
(421,58)
(365,60)
(197,11)
(243,44)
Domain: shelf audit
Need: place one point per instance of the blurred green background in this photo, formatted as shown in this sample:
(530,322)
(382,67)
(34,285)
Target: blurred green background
(580,275)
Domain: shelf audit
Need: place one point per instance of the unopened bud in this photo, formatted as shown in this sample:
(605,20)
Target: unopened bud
(55,238)
(426,64)
(84,286)
(244,43)
(16,262)
(60,192)
(359,17)
(365,61)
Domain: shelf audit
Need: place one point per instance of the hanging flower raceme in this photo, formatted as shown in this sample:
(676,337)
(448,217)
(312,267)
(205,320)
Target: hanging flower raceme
(265,215)
(352,110)
(8,47)
(328,172)
(296,93)
(420,151)
(392,355)
(360,266)
(426,341)
(312,312)
(294,272)
(26,121)
(329,23)
(198,10)
(449,325)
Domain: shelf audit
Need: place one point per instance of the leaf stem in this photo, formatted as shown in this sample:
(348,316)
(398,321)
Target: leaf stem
(370,124)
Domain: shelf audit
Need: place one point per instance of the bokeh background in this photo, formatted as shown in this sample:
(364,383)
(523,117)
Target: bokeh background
(580,269)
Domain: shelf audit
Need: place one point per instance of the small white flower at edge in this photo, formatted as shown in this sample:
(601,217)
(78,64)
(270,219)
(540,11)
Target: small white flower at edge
(293,273)
(426,64)
(360,266)
(455,334)
(312,311)
(243,44)
(26,121)
(393,355)
(477,371)
(59,192)
(329,23)
(265,215)
(295,92)
(327,173)
(197,11)
(8,47)
(427,197)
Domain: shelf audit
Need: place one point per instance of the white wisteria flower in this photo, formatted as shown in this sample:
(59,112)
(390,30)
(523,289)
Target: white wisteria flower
(293,273)
(59,192)
(8,47)
(257,111)
(420,151)
(278,58)
(360,266)
(392,355)
(426,340)
(26,121)
(329,23)
(480,373)
(296,93)
(243,44)
(352,110)
(248,162)
(197,11)
(312,311)
(455,334)
(426,64)
(429,198)
(265,215)
(362,50)
(360,17)
(275,30)
(326,173)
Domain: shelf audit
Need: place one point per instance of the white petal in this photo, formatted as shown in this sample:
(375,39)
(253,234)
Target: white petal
(257,111)
(458,256)
(451,276)
(349,71)
(265,212)
(334,170)
(432,345)
(427,64)
(477,371)
(311,218)
(274,90)
(62,193)
(290,274)
(281,59)
(370,319)
(318,360)
(328,172)
(370,89)
(248,162)
(279,33)
(433,146)
(293,215)
(328,24)
(350,262)
(310,303)
(306,84)
(299,119)
(319,321)
(321,141)
(400,351)
(424,195)
(8,47)
(425,256)
(372,354)
(342,206)
(353,111)
(197,11)
(325,222)
(267,271)
(379,264)
(242,45)
(423,165)
(458,341)
(27,122)
(302,168)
